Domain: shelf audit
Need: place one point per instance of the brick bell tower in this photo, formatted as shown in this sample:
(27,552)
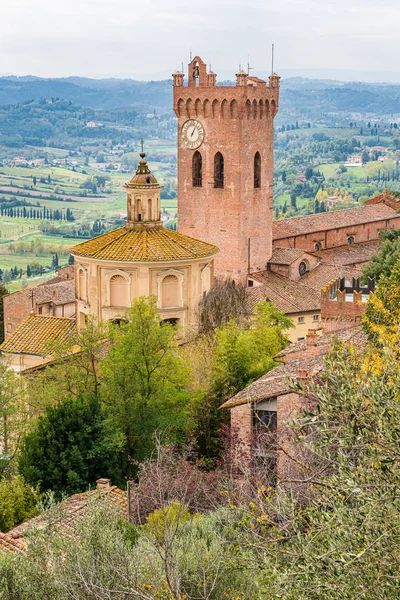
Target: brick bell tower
(225,165)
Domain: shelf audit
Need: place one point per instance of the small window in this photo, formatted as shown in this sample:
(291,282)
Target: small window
(218,170)
(350,239)
(315,318)
(318,246)
(301,339)
(250,283)
(300,319)
(265,419)
(197,169)
(40,310)
(303,268)
(257,170)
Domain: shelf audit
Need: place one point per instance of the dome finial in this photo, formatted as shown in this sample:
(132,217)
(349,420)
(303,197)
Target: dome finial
(142,154)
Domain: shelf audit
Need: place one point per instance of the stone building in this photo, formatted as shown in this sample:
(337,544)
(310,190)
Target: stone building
(55,297)
(268,405)
(31,343)
(225,165)
(337,228)
(143,258)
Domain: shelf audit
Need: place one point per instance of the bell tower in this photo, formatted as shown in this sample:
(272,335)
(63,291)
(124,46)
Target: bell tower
(225,165)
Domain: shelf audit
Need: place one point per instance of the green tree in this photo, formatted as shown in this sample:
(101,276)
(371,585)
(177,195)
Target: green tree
(69,447)
(3,292)
(18,502)
(145,382)
(388,255)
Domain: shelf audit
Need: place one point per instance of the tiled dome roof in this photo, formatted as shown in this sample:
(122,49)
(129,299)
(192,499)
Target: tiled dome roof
(156,244)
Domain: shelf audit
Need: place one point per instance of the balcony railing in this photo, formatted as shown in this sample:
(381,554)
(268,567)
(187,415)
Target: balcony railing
(197,182)
(218,182)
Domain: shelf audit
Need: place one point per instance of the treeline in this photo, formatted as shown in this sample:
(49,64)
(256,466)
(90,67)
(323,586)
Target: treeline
(44,213)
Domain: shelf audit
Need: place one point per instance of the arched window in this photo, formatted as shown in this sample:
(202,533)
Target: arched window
(170,292)
(149,218)
(118,291)
(82,284)
(303,268)
(218,170)
(350,239)
(318,246)
(257,170)
(197,169)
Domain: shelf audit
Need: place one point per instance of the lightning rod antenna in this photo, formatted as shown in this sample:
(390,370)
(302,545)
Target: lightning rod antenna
(273,52)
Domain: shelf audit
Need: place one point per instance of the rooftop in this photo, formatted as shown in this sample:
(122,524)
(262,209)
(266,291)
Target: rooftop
(144,245)
(73,508)
(292,297)
(277,382)
(35,334)
(331,220)
(350,254)
(285,256)
(282,378)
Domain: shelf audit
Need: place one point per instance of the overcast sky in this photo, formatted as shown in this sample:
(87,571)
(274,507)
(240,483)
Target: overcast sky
(149,39)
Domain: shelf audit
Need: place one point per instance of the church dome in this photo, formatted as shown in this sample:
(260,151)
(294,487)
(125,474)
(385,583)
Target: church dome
(143,175)
(144,245)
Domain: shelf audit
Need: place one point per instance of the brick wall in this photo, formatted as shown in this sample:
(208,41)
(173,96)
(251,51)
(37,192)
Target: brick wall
(238,122)
(338,237)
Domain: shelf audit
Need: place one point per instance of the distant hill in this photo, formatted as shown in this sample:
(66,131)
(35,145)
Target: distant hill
(301,98)
(93,93)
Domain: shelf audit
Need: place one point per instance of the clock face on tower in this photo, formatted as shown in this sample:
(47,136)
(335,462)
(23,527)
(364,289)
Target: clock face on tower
(192,134)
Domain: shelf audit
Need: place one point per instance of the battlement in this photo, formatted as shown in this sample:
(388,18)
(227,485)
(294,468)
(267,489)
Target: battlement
(343,300)
(251,97)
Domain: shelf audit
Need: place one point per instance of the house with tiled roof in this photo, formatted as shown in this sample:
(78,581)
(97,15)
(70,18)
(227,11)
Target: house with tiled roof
(261,414)
(70,512)
(31,343)
(143,258)
(293,282)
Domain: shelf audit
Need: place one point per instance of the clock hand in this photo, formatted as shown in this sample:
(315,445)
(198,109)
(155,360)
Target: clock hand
(194,129)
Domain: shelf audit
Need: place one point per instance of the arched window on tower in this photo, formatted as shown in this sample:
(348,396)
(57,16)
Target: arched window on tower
(218,170)
(197,169)
(118,291)
(257,170)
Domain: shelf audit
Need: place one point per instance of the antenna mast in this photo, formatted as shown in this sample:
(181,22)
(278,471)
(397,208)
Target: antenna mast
(273,52)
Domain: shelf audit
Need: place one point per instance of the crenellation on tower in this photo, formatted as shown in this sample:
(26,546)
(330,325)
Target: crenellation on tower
(225,165)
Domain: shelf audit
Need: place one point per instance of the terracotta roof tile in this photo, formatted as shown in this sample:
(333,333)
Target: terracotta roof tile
(285,256)
(11,544)
(144,245)
(292,297)
(72,511)
(64,292)
(350,254)
(277,382)
(323,342)
(331,220)
(36,332)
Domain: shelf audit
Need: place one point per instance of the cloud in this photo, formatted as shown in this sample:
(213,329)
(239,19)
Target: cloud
(149,40)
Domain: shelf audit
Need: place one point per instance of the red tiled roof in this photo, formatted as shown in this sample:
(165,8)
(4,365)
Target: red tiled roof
(284,228)
(292,297)
(350,254)
(277,382)
(11,544)
(72,509)
(285,256)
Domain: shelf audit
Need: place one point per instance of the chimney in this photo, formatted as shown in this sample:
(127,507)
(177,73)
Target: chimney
(54,293)
(302,374)
(103,484)
(312,337)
